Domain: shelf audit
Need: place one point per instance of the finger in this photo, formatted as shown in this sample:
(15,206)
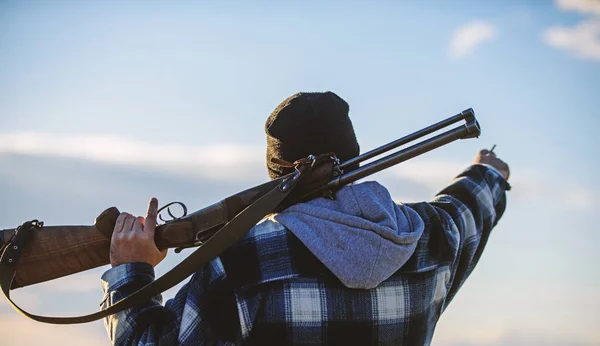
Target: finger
(499,162)
(150,222)
(504,166)
(120,222)
(138,224)
(128,224)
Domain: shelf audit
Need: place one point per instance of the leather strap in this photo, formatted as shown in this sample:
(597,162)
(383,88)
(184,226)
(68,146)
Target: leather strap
(213,247)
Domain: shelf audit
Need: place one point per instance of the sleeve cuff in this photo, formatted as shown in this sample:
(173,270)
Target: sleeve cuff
(125,274)
(496,181)
(493,169)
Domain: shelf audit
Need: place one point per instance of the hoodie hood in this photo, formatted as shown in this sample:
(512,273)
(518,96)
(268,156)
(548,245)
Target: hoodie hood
(362,237)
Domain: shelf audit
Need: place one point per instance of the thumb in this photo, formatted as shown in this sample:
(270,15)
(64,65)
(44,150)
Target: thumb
(150,222)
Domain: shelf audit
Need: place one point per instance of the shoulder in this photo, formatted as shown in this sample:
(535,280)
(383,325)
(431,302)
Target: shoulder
(266,228)
(268,252)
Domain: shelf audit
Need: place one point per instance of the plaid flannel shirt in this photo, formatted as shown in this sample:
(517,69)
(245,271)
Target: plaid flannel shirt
(268,289)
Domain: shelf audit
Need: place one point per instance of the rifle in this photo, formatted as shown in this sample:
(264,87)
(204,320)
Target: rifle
(50,252)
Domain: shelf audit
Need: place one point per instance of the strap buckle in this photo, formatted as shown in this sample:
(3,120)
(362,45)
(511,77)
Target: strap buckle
(12,249)
(301,166)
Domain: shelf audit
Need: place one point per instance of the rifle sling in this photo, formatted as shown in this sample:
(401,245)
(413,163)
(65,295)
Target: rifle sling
(213,247)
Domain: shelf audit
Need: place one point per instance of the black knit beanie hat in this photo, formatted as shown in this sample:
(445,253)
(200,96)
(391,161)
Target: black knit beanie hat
(309,123)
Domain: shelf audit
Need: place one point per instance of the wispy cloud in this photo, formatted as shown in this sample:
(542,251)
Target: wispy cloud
(25,299)
(514,338)
(217,161)
(77,283)
(468,37)
(581,6)
(581,40)
(544,306)
(433,174)
(225,162)
(528,185)
(531,186)
(25,332)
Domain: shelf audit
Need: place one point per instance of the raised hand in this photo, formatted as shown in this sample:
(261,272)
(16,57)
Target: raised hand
(133,238)
(488,157)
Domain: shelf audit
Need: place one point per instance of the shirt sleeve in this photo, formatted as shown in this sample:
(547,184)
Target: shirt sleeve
(460,219)
(203,304)
(150,323)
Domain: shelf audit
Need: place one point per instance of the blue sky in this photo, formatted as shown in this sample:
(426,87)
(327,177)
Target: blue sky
(108,103)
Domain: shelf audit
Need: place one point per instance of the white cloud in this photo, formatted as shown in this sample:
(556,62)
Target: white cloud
(581,40)
(19,331)
(581,6)
(26,300)
(432,174)
(528,185)
(579,198)
(76,283)
(218,161)
(226,161)
(468,37)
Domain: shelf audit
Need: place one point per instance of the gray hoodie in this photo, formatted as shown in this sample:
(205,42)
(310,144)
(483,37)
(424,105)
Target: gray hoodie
(362,236)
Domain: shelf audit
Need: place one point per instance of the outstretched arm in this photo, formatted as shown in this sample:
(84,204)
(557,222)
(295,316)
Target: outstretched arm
(460,218)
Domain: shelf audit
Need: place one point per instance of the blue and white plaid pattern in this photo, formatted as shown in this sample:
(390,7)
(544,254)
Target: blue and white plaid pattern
(268,289)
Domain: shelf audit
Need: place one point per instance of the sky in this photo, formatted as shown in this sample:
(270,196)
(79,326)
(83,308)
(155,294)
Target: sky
(108,103)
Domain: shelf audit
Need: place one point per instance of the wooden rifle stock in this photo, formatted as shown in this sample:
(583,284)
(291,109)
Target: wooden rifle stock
(57,251)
